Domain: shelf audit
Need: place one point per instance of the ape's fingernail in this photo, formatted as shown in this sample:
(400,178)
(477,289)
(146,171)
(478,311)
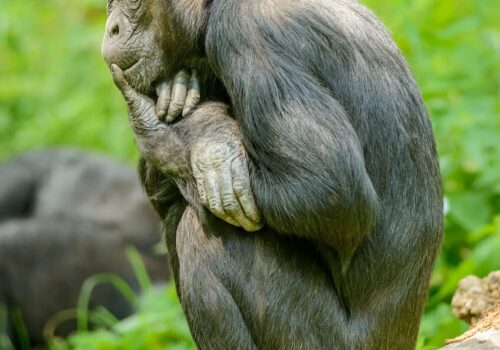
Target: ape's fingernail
(170,119)
(161,113)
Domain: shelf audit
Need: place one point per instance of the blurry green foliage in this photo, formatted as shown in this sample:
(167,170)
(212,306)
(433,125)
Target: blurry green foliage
(158,324)
(54,86)
(56,90)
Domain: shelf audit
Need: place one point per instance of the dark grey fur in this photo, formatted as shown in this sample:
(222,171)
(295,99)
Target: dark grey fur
(342,162)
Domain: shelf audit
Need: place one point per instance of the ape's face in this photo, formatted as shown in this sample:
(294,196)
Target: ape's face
(139,34)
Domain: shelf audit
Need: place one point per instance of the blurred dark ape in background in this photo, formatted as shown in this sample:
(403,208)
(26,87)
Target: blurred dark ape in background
(65,216)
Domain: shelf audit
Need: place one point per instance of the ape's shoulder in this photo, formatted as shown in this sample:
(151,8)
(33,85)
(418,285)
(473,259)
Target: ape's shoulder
(305,29)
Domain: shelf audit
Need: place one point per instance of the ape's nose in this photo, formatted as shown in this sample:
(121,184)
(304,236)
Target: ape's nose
(114,24)
(114,38)
(115,30)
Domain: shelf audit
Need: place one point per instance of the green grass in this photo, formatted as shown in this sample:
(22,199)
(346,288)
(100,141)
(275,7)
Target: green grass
(158,324)
(56,90)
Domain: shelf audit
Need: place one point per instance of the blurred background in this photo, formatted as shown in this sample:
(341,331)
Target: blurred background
(55,90)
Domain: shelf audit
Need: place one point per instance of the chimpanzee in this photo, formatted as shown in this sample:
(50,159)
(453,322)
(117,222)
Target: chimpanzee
(67,215)
(300,189)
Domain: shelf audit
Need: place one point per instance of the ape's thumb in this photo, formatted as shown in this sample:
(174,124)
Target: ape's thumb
(119,79)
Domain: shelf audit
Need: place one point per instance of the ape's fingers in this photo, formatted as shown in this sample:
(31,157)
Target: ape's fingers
(193,94)
(214,198)
(243,191)
(179,93)
(120,81)
(200,186)
(230,203)
(163,92)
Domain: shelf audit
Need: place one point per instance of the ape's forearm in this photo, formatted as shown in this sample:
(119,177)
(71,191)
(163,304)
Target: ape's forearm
(160,187)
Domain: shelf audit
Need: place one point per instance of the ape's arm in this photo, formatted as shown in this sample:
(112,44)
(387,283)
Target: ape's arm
(307,166)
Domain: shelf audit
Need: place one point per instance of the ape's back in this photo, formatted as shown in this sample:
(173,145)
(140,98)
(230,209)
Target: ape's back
(368,75)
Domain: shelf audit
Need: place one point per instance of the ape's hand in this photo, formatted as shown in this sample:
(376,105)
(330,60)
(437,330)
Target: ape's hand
(178,96)
(221,172)
(175,97)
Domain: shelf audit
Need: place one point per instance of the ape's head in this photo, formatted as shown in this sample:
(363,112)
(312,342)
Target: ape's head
(144,40)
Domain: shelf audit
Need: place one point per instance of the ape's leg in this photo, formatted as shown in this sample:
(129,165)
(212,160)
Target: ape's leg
(215,319)
(245,290)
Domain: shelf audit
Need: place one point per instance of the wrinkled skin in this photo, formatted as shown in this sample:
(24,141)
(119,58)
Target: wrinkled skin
(309,130)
